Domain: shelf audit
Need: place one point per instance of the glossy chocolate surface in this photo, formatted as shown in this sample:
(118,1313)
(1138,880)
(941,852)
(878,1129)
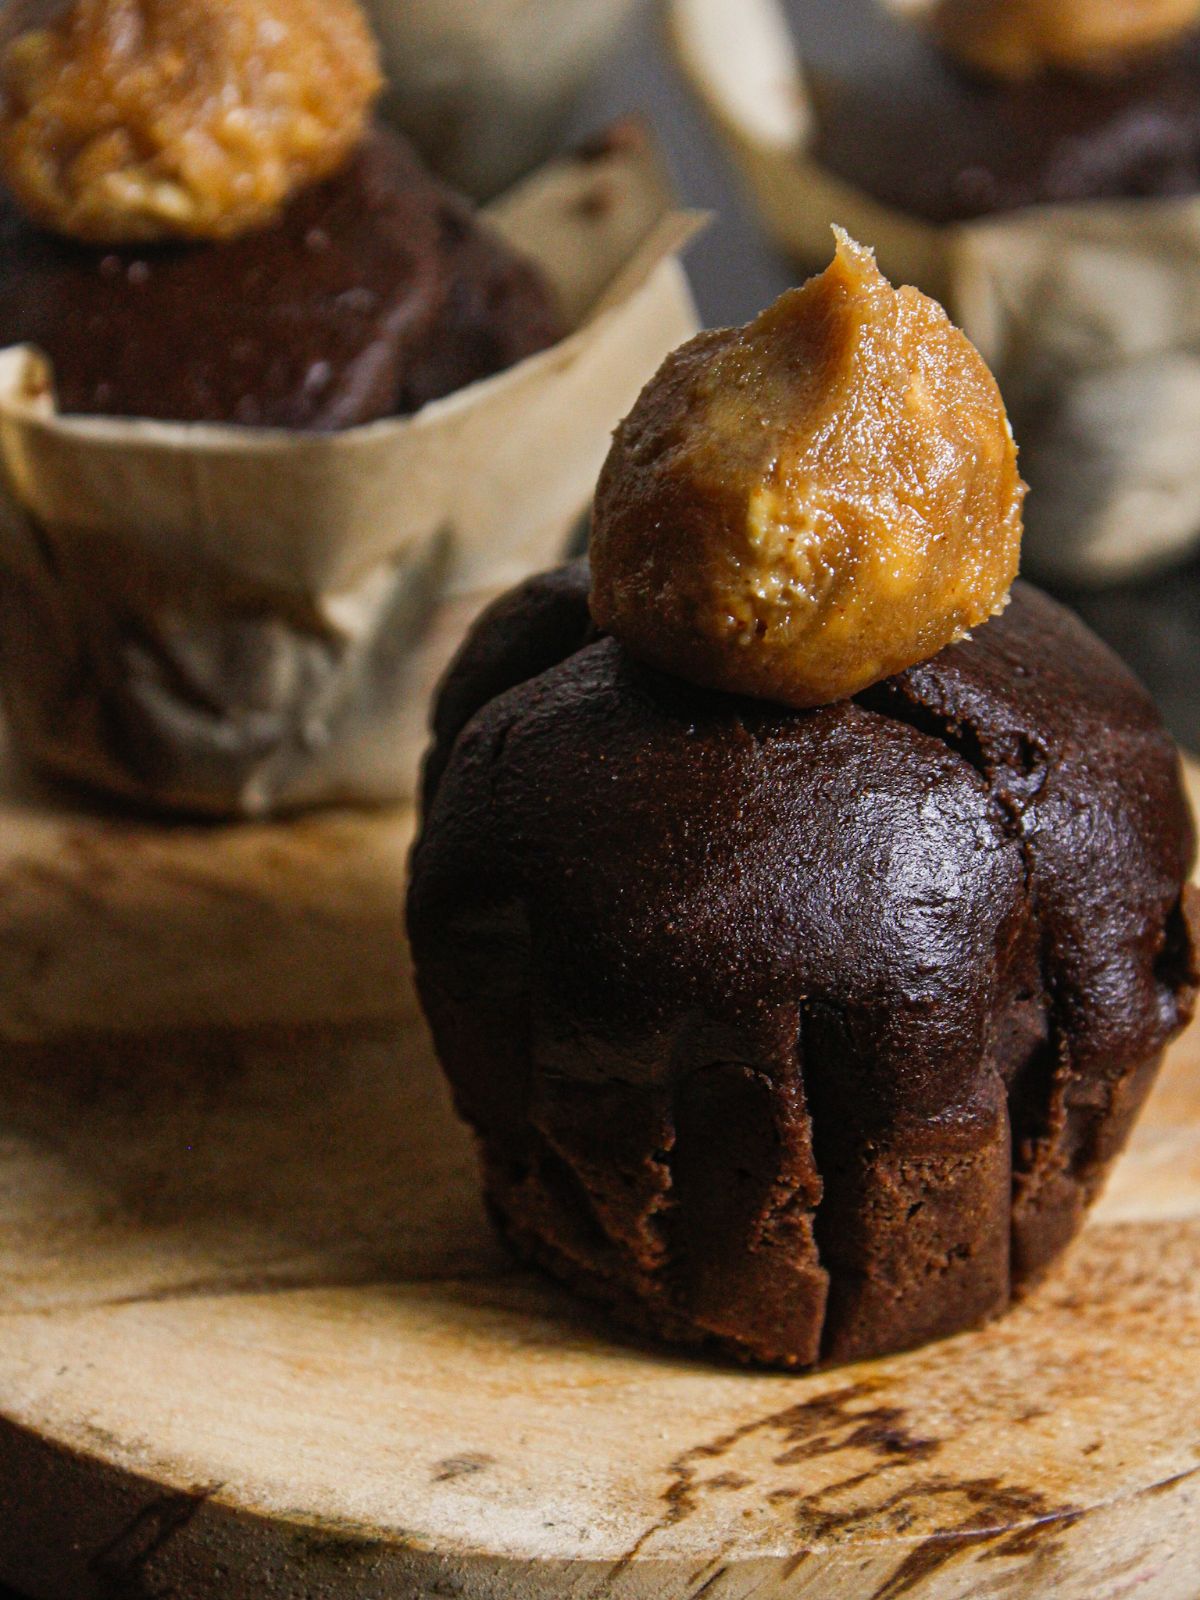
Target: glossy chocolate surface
(807,1034)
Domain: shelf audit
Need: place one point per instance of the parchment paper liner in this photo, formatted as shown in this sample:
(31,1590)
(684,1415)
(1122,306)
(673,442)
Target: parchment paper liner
(482,87)
(233,621)
(1089,314)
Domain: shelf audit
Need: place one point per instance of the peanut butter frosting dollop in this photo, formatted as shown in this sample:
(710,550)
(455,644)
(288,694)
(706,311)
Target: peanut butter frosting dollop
(802,507)
(1021,38)
(129,121)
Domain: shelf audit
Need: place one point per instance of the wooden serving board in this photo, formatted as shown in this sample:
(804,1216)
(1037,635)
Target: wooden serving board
(256,1338)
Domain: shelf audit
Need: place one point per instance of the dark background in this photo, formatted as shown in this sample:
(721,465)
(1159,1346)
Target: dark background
(1156,624)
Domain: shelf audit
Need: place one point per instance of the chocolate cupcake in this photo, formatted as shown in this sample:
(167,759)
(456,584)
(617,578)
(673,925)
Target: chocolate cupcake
(238,544)
(804,1028)
(362,290)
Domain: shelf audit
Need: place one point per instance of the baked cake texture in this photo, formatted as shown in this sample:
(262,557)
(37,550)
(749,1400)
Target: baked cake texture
(809,1035)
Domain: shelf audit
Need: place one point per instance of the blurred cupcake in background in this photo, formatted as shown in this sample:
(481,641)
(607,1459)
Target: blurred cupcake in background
(206,224)
(1036,164)
(990,106)
(278,410)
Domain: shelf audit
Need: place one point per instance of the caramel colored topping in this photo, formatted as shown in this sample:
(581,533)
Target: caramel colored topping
(124,121)
(1020,38)
(802,507)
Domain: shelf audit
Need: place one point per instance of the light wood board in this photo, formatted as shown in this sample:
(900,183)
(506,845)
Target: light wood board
(256,1338)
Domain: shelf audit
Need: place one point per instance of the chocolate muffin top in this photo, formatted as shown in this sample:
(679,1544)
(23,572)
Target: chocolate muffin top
(375,293)
(852,982)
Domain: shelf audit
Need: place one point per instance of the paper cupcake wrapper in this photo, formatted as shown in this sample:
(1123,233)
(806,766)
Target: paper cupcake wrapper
(229,621)
(482,86)
(1089,314)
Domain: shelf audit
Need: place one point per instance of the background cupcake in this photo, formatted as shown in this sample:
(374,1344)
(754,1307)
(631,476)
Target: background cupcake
(236,600)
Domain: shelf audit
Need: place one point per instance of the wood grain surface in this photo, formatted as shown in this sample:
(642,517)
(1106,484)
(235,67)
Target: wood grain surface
(256,1338)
